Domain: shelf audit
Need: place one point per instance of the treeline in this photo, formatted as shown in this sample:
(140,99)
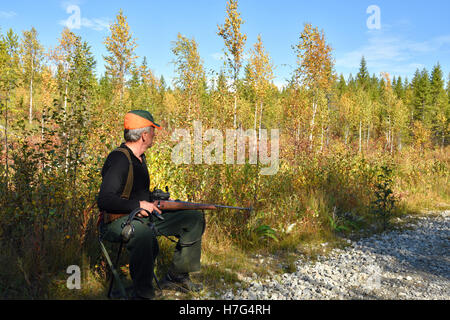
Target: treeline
(315,107)
(59,121)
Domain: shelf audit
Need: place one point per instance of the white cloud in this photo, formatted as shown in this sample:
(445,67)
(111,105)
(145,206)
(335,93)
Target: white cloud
(386,52)
(7,14)
(97,24)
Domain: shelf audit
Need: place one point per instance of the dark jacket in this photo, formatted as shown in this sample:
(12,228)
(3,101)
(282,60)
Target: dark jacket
(115,173)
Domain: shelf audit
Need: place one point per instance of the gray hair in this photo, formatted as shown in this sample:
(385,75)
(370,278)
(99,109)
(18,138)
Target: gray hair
(134,135)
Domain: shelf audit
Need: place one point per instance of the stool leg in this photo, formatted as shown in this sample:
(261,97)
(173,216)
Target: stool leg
(113,270)
(116,264)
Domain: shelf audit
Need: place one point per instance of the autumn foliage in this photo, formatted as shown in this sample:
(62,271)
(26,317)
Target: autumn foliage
(339,139)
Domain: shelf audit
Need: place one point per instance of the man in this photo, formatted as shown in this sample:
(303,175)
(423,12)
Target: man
(115,205)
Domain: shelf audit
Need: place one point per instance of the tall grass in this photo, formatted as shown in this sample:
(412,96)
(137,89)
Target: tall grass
(47,224)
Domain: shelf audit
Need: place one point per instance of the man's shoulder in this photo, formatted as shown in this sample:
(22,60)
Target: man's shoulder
(117,157)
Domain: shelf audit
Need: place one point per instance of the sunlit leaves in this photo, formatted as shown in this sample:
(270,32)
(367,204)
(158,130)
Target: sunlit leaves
(121,47)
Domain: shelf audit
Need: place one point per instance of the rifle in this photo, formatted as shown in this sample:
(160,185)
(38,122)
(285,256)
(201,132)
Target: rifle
(175,205)
(163,202)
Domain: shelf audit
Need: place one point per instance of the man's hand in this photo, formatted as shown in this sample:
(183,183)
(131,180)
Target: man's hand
(147,206)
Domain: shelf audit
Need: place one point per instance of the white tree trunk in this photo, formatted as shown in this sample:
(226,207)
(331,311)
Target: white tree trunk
(6,143)
(235,108)
(346,132)
(65,133)
(31,100)
(312,126)
(256,116)
(260,119)
(321,140)
(360,136)
(42,125)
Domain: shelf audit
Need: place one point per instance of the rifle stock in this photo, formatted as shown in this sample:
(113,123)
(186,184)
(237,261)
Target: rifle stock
(176,205)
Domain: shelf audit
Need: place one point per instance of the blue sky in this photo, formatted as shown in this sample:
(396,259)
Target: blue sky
(413,34)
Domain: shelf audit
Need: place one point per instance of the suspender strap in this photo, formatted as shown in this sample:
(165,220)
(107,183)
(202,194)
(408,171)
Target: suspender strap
(129,184)
(110,217)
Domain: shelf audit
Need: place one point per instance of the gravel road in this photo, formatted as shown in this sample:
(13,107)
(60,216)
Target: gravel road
(408,264)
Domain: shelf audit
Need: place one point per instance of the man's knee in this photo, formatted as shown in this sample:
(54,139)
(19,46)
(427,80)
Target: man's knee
(143,234)
(197,220)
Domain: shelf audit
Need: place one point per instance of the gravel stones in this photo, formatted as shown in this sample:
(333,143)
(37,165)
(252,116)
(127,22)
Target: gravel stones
(411,264)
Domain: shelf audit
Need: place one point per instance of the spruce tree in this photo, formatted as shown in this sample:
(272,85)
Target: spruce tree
(439,105)
(398,88)
(437,89)
(448,89)
(363,77)
(341,85)
(421,100)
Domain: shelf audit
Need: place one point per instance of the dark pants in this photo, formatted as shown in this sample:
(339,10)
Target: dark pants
(188,226)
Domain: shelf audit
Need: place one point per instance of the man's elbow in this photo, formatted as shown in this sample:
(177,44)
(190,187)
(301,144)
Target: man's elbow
(102,202)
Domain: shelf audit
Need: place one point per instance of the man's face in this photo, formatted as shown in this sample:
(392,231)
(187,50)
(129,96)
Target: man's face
(147,137)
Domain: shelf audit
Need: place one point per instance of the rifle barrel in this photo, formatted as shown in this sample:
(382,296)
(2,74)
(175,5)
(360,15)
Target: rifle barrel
(215,205)
(230,207)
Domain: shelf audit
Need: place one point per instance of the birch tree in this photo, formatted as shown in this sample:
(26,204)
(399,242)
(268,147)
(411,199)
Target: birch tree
(121,47)
(234,40)
(260,73)
(190,72)
(315,70)
(9,80)
(32,55)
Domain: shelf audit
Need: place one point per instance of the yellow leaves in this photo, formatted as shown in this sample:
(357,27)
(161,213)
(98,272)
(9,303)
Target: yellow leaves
(260,68)
(121,46)
(422,134)
(232,36)
(190,72)
(314,59)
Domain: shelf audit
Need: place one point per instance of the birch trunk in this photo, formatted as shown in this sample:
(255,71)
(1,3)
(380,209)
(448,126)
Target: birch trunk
(321,140)
(65,133)
(360,136)
(42,125)
(260,119)
(346,135)
(254,126)
(235,108)
(256,116)
(6,143)
(31,94)
(312,126)
(392,143)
